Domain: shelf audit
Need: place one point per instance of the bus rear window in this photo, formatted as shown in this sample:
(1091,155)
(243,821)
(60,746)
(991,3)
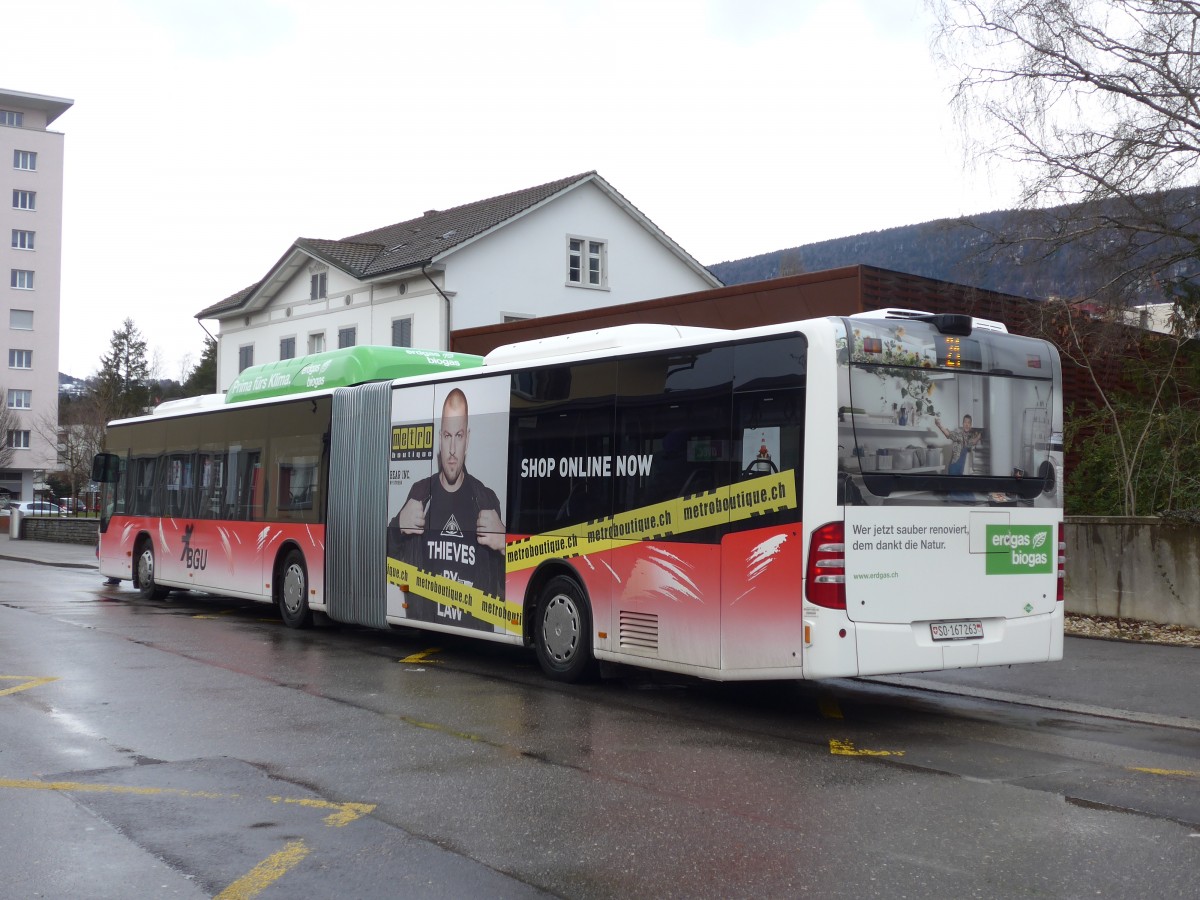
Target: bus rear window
(929,418)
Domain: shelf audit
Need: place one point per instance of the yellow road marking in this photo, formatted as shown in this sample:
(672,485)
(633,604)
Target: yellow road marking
(846,748)
(266,872)
(1181,772)
(421,657)
(343,813)
(829,708)
(31,681)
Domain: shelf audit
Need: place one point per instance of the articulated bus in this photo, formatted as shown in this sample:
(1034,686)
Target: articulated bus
(874,494)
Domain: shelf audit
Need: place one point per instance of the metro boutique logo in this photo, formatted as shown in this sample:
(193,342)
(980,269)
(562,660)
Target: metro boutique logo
(1019,550)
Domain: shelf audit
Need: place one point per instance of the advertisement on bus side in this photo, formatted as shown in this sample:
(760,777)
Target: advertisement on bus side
(446,498)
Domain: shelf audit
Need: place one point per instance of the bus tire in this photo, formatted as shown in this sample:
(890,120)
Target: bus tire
(563,637)
(291,591)
(144,572)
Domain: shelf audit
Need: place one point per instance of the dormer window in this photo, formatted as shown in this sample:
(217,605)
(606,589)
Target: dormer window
(587,262)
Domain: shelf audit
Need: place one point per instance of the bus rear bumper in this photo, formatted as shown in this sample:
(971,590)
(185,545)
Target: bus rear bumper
(885,649)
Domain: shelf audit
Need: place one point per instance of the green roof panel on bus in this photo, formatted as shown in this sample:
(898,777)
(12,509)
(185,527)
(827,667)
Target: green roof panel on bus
(342,368)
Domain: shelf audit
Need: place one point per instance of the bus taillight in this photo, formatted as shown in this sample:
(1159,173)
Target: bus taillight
(825,579)
(1062,561)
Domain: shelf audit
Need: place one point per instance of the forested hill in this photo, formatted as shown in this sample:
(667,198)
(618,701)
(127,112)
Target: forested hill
(947,249)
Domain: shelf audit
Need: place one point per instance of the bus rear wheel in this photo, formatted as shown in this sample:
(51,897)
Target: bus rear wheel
(291,591)
(144,572)
(564,631)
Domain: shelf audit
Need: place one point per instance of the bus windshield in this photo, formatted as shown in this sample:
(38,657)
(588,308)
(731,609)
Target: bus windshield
(926,417)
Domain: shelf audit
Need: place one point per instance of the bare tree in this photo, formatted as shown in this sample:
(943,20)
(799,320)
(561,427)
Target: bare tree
(8,422)
(1097,102)
(79,436)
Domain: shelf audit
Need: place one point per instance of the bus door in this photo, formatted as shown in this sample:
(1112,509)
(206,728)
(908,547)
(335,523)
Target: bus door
(672,474)
(761,623)
(235,495)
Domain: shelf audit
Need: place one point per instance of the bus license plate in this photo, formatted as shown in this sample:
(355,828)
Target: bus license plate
(956,631)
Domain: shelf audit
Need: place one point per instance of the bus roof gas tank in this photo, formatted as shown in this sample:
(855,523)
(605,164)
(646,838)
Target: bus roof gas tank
(945,323)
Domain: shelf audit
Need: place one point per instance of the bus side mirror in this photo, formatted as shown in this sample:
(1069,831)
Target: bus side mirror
(106,468)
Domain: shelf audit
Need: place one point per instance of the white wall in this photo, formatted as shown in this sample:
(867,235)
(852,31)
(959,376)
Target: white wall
(371,309)
(521,269)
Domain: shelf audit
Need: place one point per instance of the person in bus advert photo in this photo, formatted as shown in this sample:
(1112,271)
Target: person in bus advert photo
(450,524)
(962,442)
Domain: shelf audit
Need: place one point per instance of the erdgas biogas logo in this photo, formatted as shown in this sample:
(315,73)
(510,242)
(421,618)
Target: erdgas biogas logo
(1019,550)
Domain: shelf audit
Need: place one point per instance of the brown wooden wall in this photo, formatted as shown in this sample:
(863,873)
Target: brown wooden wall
(836,292)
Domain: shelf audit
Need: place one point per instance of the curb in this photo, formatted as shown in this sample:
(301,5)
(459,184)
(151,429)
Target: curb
(41,562)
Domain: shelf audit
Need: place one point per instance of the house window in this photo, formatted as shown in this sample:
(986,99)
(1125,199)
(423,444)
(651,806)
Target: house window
(402,332)
(316,342)
(317,291)
(18,440)
(22,240)
(25,159)
(24,199)
(513,317)
(347,337)
(9,117)
(245,357)
(21,278)
(20,359)
(287,348)
(20,319)
(586,262)
(20,399)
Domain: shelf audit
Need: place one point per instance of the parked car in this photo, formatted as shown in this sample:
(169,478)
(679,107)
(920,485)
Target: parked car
(37,508)
(73,505)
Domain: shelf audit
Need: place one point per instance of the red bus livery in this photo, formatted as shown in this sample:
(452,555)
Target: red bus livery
(834,497)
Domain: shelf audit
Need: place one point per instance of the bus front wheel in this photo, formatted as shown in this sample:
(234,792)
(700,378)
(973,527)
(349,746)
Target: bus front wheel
(145,572)
(564,631)
(291,591)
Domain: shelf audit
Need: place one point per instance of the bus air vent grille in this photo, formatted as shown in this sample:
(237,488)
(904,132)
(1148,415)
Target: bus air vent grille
(639,631)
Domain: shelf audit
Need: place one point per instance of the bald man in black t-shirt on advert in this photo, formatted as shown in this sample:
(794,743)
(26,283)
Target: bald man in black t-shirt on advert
(450,524)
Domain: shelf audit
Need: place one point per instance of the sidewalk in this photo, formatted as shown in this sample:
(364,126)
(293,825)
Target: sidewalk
(70,556)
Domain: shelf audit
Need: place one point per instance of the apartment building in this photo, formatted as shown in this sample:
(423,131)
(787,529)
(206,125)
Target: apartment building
(31,202)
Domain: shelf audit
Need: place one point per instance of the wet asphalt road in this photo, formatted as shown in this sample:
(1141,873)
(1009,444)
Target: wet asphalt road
(196,748)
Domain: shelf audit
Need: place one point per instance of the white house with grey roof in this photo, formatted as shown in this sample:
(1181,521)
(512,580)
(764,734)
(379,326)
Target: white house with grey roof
(566,246)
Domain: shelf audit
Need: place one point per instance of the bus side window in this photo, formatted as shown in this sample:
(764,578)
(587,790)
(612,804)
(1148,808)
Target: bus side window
(120,489)
(211,474)
(249,502)
(673,425)
(770,385)
(178,497)
(561,418)
(142,485)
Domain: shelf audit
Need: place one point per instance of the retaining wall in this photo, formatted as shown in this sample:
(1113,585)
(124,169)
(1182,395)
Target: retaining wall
(1133,568)
(61,530)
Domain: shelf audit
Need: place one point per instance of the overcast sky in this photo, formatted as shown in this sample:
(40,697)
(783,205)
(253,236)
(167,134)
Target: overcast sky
(207,135)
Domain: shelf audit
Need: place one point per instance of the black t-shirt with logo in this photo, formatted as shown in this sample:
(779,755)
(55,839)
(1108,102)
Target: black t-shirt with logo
(449,546)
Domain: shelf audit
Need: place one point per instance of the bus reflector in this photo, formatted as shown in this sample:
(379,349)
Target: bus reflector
(1062,562)
(825,578)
